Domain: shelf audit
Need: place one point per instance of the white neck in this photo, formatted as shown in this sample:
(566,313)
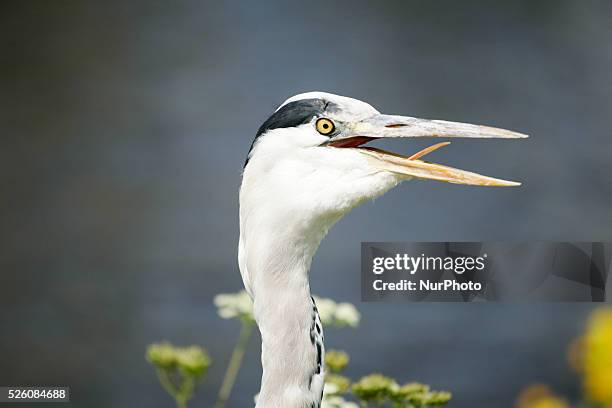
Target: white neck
(275,256)
(290,196)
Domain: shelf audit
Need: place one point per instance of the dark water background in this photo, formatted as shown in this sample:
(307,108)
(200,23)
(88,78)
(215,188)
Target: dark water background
(124,127)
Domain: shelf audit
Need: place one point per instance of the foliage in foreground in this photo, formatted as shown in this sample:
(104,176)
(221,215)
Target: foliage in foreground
(591,357)
(379,390)
(180,369)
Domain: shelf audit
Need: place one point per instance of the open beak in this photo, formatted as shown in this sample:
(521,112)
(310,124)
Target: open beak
(386,126)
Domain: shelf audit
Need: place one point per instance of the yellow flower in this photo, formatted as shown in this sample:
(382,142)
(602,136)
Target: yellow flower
(551,402)
(194,360)
(597,363)
(161,355)
(336,360)
(374,388)
(336,384)
(539,396)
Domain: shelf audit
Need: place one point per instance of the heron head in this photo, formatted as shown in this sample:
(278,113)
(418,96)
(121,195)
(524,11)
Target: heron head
(311,152)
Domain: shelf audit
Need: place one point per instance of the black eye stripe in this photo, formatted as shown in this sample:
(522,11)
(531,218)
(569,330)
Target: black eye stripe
(293,114)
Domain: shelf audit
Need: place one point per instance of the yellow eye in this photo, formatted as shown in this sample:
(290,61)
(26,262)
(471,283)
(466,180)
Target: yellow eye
(325,126)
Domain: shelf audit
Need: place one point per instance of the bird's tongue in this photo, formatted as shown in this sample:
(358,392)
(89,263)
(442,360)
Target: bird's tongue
(412,167)
(415,156)
(428,150)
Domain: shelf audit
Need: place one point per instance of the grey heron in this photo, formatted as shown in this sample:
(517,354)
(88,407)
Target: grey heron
(306,168)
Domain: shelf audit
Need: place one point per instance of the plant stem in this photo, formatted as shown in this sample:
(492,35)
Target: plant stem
(234,365)
(186,391)
(166,383)
(170,388)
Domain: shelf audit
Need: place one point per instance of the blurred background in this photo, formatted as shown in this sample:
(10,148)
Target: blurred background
(125,126)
